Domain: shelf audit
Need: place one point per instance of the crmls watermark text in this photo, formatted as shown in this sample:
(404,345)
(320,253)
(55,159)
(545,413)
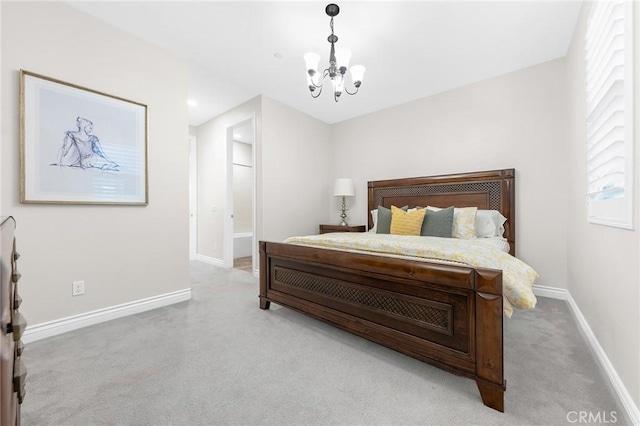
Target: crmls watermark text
(597,417)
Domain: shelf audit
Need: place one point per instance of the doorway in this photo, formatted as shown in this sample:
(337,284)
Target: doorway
(193,199)
(240,240)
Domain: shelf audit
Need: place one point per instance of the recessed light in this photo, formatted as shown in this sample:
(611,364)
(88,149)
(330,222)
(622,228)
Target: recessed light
(192,103)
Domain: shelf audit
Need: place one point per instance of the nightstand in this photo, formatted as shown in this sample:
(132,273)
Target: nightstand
(325,229)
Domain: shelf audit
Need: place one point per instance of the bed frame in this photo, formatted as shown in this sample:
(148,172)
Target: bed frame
(446,315)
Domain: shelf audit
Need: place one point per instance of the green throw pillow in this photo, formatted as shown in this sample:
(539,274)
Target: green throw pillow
(437,224)
(384,219)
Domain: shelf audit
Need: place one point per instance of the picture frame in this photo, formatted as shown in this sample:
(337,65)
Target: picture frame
(80,146)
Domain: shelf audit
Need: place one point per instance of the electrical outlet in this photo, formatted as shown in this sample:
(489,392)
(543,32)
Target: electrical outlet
(77,288)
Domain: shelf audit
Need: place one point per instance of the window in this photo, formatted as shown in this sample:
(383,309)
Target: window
(610,113)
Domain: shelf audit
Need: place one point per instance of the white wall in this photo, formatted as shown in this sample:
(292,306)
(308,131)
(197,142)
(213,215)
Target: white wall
(602,261)
(296,173)
(515,120)
(124,253)
(1,108)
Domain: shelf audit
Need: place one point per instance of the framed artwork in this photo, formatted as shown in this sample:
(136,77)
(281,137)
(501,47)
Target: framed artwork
(80,146)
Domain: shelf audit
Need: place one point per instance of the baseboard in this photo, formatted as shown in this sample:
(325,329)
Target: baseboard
(210,260)
(53,328)
(621,390)
(550,292)
(243,234)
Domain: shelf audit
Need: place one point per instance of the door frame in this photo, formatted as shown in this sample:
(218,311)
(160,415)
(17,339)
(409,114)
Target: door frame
(228,217)
(193,198)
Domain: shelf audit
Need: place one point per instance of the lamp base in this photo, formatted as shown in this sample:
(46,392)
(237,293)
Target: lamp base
(343,215)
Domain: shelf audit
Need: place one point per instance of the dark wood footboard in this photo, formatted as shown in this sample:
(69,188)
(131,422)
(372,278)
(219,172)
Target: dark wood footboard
(447,316)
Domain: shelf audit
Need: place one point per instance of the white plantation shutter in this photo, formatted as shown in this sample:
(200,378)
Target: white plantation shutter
(610,115)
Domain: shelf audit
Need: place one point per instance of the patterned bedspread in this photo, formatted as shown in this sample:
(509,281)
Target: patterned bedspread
(517,277)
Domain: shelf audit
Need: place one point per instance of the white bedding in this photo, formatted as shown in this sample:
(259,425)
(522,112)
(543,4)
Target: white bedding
(517,276)
(498,242)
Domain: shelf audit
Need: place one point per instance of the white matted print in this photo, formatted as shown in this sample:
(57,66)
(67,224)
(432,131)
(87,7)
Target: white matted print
(80,146)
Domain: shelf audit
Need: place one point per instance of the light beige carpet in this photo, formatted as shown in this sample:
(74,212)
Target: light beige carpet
(220,360)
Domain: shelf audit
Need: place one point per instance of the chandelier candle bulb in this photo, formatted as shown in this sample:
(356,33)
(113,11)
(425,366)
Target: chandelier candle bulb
(357,72)
(343,56)
(312,60)
(338,65)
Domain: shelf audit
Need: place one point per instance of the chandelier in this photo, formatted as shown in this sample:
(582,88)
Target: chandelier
(338,64)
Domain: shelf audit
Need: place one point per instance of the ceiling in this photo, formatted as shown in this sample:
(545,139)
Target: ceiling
(237,50)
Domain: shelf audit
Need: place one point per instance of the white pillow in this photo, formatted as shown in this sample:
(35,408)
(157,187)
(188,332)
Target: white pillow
(489,223)
(374,216)
(464,221)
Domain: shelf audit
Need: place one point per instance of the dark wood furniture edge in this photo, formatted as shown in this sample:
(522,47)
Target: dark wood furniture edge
(264,302)
(12,369)
(325,228)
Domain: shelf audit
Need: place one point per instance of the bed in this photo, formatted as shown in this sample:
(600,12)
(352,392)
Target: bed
(448,315)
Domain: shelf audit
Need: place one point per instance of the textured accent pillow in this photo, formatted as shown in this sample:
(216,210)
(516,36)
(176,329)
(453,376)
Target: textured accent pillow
(404,223)
(438,223)
(464,221)
(383,223)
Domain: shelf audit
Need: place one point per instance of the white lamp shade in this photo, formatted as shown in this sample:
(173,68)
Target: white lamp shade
(357,73)
(344,187)
(343,56)
(311,60)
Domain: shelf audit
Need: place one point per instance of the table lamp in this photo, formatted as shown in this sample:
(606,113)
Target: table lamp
(343,187)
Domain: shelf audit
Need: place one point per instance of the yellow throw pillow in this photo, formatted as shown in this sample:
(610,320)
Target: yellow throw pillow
(406,223)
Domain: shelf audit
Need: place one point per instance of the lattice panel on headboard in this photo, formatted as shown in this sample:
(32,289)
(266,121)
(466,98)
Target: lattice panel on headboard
(493,189)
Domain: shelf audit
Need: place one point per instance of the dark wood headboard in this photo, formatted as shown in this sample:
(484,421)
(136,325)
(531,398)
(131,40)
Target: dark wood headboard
(490,190)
